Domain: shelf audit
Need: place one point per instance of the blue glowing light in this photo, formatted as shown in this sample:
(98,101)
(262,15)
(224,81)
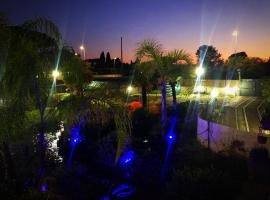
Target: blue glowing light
(43,187)
(75,136)
(105,198)
(74,140)
(171,136)
(123,191)
(127,157)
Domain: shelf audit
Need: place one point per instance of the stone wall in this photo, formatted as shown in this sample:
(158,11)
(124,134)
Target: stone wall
(224,138)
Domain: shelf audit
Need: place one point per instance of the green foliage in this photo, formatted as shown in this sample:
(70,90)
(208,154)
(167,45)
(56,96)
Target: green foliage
(266,91)
(76,73)
(202,174)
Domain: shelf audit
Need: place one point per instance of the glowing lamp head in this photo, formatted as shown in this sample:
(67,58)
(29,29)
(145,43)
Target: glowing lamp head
(235,33)
(129,89)
(199,71)
(82,48)
(55,74)
(214,93)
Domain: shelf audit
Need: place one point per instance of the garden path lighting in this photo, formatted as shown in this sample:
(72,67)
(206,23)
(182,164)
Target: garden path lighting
(55,74)
(214,93)
(129,89)
(200,71)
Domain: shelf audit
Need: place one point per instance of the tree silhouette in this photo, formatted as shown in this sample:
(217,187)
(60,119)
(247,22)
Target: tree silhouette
(242,54)
(209,56)
(108,59)
(102,58)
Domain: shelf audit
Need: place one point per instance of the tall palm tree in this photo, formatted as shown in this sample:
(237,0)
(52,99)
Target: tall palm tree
(151,50)
(32,54)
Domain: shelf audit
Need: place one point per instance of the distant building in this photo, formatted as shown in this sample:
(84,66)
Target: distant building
(94,62)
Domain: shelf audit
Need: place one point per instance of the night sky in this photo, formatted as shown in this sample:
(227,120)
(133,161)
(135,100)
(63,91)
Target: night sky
(181,24)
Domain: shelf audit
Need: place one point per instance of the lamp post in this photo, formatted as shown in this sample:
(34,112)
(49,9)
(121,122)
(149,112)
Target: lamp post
(235,34)
(82,48)
(114,62)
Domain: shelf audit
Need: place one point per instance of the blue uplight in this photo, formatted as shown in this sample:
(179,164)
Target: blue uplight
(127,158)
(43,187)
(171,137)
(75,136)
(123,191)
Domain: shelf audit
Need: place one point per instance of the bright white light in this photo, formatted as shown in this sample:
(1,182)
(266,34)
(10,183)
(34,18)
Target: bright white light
(199,88)
(76,54)
(200,71)
(55,73)
(129,89)
(231,90)
(214,93)
(82,48)
(235,33)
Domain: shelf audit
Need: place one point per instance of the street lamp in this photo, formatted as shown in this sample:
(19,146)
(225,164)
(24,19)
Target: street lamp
(82,48)
(114,62)
(235,34)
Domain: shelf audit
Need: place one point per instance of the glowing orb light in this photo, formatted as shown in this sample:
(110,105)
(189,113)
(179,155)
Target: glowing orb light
(55,74)
(127,158)
(129,89)
(171,137)
(43,187)
(199,71)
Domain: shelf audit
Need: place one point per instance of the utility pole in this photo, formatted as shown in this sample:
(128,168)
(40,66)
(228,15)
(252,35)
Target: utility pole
(121,50)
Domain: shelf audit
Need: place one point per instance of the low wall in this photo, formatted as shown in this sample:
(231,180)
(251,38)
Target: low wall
(223,137)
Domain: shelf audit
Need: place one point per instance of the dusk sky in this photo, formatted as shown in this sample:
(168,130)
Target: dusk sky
(177,24)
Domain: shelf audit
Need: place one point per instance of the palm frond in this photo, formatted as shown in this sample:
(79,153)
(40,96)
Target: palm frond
(45,26)
(179,55)
(150,49)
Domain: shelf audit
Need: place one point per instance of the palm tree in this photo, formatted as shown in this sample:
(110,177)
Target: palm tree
(32,54)
(142,77)
(151,50)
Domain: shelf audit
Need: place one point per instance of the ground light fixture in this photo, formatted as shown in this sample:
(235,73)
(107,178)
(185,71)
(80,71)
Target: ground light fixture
(129,89)
(214,93)
(55,74)
(200,71)
(231,90)
(200,88)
